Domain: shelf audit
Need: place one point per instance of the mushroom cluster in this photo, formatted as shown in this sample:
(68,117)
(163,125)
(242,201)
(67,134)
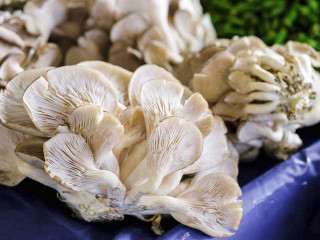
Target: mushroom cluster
(152,32)
(263,93)
(24,35)
(114,143)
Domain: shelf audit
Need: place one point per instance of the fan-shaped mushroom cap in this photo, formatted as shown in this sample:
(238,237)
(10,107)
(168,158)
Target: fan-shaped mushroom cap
(119,77)
(215,149)
(49,103)
(70,162)
(101,130)
(129,28)
(298,48)
(12,111)
(212,81)
(133,122)
(142,75)
(134,156)
(9,173)
(31,152)
(209,205)
(172,146)
(49,55)
(160,99)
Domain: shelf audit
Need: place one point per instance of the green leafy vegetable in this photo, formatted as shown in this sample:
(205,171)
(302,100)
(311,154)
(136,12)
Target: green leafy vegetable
(274,21)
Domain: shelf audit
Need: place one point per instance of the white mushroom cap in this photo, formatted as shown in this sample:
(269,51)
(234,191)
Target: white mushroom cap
(12,111)
(169,150)
(70,162)
(160,99)
(9,173)
(215,149)
(101,130)
(142,75)
(209,205)
(119,77)
(133,122)
(49,102)
(124,30)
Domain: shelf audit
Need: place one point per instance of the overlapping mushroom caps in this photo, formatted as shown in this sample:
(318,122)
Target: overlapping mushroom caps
(264,93)
(151,31)
(24,35)
(116,143)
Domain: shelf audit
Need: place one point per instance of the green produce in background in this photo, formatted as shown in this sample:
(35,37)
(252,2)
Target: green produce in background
(274,21)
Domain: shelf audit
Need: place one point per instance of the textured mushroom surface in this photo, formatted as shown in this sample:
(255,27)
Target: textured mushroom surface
(264,93)
(115,143)
(130,33)
(24,35)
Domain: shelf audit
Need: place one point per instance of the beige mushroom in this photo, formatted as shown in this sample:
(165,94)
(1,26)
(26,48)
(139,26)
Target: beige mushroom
(70,162)
(209,205)
(169,150)
(50,102)
(12,111)
(9,173)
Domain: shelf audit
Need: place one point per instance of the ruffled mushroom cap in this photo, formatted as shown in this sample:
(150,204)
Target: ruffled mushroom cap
(9,173)
(169,150)
(50,102)
(70,162)
(209,205)
(12,111)
(253,86)
(24,35)
(119,77)
(161,99)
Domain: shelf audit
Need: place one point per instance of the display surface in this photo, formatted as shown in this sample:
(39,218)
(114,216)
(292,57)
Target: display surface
(285,198)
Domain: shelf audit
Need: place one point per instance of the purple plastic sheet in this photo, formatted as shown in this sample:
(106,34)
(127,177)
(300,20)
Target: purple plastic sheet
(283,203)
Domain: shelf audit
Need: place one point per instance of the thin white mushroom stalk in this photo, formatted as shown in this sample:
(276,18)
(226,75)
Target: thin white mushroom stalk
(264,93)
(115,143)
(24,37)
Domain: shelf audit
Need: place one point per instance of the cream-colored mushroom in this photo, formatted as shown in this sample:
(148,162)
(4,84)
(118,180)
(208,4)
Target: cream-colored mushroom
(70,162)
(132,120)
(119,77)
(209,205)
(9,173)
(142,75)
(50,102)
(101,130)
(161,98)
(12,111)
(169,150)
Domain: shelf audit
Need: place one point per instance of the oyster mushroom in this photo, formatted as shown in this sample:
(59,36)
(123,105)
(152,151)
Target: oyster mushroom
(50,102)
(12,111)
(209,205)
(24,35)
(9,173)
(161,98)
(119,77)
(70,162)
(264,95)
(169,150)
